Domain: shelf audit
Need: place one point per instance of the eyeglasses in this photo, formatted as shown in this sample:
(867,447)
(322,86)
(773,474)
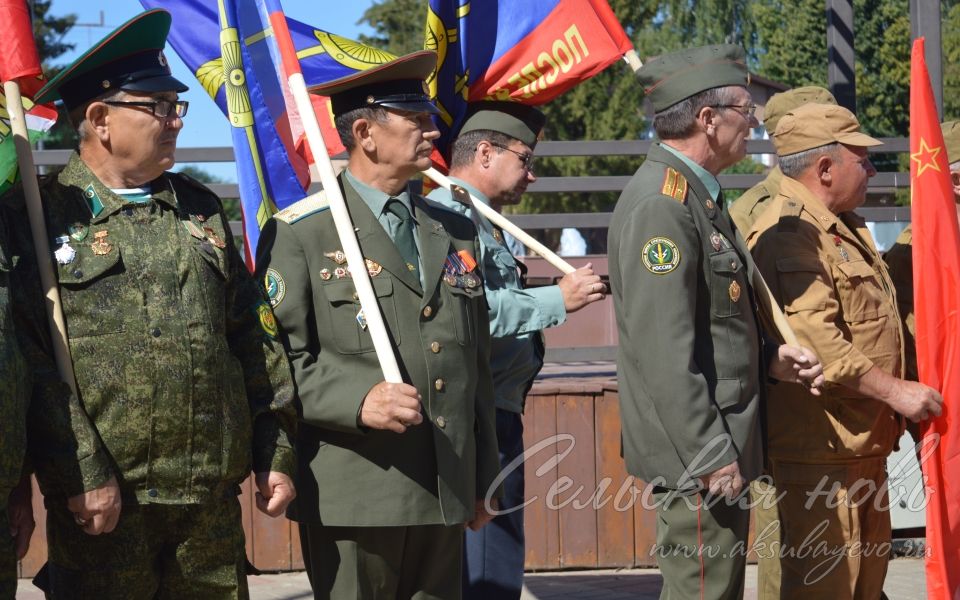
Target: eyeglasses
(747,110)
(526,158)
(163,109)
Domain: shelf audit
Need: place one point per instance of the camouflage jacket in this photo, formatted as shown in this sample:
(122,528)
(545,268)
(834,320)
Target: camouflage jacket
(14,392)
(183,384)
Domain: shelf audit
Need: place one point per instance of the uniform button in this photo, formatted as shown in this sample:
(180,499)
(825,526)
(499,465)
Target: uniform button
(78,273)
(153,493)
(356,296)
(441,422)
(733,264)
(438,384)
(156,332)
(435,347)
(427,312)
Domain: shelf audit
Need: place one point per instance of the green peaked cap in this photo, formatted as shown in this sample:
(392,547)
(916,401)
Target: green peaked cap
(673,77)
(129,58)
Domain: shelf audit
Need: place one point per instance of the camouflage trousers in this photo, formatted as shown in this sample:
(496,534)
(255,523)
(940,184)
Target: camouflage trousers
(157,552)
(8,560)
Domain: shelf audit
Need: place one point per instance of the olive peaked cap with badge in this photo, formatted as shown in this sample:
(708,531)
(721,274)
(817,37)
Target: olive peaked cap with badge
(674,77)
(130,59)
(399,84)
(516,120)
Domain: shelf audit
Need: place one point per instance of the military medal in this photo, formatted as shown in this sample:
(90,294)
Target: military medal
(100,245)
(325,274)
(194,230)
(373,267)
(471,280)
(65,253)
(214,238)
(843,251)
(449,279)
(735,291)
(715,241)
(338,257)
(361,320)
(340,273)
(77,231)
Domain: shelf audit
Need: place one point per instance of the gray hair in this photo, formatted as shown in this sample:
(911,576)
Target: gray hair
(464,148)
(793,165)
(78,116)
(678,121)
(344,122)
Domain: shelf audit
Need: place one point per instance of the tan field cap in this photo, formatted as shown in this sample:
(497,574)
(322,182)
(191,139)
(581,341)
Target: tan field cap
(782,103)
(951,139)
(814,125)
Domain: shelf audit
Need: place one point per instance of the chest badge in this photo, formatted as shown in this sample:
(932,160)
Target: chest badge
(65,253)
(716,241)
(373,267)
(78,232)
(843,251)
(325,274)
(215,239)
(735,291)
(100,245)
(337,256)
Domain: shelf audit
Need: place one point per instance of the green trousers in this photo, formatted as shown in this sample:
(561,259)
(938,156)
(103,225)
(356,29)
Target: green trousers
(8,560)
(157,552)
(420,562)
(701,546)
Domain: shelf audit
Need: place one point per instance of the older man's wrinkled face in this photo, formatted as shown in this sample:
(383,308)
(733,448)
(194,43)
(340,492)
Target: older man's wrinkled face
(141,141)
(733,127)
(850,174)
(513,165)
(404,141)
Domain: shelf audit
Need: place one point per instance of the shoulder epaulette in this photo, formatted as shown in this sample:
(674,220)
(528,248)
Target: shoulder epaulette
(789,214)
(460,194)
(675,185)
(312,204)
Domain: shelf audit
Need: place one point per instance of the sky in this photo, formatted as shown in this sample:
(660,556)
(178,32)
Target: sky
(204,124)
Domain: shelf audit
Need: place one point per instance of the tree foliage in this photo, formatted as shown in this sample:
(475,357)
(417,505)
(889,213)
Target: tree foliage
(49,32)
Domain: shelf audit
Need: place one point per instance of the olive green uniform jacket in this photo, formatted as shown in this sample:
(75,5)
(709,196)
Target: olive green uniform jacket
(14,390)
(350,475)
(689,357)
(183,385)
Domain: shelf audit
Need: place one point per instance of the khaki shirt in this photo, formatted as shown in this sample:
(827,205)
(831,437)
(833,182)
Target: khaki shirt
(746,209)
(825,272)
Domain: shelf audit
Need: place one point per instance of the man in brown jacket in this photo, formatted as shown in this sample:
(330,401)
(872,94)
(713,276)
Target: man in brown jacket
(828,454)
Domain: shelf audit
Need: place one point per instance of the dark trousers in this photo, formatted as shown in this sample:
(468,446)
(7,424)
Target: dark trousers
(494,556)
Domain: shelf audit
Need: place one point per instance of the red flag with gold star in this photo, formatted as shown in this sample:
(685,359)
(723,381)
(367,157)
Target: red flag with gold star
(936,284)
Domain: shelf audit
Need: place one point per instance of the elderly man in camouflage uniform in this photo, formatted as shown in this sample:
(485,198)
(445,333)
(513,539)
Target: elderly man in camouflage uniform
(183,385)
(16,512)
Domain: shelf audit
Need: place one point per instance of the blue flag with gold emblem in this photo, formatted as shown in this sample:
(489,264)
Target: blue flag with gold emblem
(525,51)
(229,47)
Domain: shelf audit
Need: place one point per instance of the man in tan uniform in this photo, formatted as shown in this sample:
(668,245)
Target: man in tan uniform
(828,454)
(744,211)
(899,258)
(747,208)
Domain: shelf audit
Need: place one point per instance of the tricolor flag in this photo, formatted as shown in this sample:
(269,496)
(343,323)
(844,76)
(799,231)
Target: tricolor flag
(936,285)
(231,48)
(19,62)
(523,50)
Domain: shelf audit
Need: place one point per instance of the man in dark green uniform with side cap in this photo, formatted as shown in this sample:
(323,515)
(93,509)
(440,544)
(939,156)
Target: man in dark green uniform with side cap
(691,358)
(388,473)
(183,385)
(16,510)
(745,209)
(492,157)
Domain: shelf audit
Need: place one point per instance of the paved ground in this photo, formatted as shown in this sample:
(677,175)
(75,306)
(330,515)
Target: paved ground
(905,581)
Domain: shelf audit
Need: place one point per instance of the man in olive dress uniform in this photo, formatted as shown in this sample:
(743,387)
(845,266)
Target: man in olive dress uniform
(691,357)
(388,473)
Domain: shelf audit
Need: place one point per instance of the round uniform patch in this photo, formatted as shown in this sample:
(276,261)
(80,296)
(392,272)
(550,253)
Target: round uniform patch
(267,321)
(661,255)
(276,288)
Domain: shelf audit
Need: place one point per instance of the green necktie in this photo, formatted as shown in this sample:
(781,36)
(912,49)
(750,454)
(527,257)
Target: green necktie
(402,234)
